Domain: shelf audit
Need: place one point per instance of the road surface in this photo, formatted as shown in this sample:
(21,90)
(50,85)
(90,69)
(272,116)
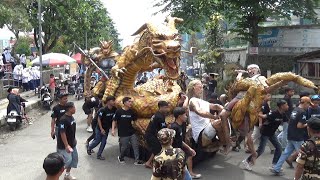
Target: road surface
(22,153)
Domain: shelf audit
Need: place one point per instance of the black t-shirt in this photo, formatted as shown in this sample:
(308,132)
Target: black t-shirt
(265,109)
(57,112)
(272,122)
(92,103)
(157,122)
(313,112)
(180,134)
(124,120)
(105,114)
(290,104)
(67,125)
(294,133)
(212,85)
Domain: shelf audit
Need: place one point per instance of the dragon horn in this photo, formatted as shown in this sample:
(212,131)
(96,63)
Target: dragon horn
(172,21)
(143,27)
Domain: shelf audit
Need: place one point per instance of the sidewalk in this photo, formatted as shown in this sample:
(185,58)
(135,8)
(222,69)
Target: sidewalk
(33,102)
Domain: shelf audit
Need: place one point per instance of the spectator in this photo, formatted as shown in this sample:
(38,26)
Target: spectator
(52,86)
(25,79)
(23,60)
(53,165)
(212,83)
(144,78)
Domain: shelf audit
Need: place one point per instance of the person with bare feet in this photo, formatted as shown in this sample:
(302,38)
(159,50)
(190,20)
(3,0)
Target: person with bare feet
(253,71)
(205,126)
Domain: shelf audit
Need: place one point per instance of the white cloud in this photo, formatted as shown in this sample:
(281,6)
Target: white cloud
(129,15)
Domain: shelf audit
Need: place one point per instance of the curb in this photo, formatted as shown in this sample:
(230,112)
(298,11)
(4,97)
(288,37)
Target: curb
(29,107)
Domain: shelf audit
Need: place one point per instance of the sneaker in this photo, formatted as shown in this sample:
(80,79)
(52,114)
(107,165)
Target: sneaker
(272,168)
(276,173)
(121,160)
(69,177)
(246,165)
(101,158)
(30,123)
(196,176)
(139,163)
(89,129)
(89,152)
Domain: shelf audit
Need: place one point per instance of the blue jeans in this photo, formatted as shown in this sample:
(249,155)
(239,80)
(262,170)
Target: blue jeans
(291,146)
(283,136)
(99,138)
(187,175)
(262,145)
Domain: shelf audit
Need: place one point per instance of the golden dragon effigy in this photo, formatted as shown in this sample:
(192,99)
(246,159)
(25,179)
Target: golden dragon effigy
(252,101)
(157,46)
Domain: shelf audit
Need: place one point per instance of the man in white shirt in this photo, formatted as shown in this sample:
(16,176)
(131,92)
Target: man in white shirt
(17,75)
(23,60)
(205,126)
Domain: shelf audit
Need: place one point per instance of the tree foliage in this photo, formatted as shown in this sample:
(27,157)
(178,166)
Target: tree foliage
(246,14)
(22,46)
(72,19)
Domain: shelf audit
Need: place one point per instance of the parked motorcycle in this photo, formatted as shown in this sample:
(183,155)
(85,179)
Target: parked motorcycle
(14,120)
(72,88)
(79,91)
(46,100)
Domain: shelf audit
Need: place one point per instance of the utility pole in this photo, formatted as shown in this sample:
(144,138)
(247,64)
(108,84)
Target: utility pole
(40,41)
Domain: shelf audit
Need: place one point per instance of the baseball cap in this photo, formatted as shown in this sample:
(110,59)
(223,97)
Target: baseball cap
(314,123)
(62,95)
(165,135)
(315,97)
(305,99)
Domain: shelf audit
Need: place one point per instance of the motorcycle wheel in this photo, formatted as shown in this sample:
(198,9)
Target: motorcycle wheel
(12,127)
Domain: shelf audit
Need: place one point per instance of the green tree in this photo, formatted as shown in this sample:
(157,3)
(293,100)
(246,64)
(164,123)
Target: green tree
(14,16)
(71,19)
(246,14)
(22,46)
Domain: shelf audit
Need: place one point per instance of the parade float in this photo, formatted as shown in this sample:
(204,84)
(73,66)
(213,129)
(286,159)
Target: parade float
(158,46)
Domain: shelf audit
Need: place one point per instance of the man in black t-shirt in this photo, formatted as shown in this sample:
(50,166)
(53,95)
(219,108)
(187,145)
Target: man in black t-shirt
(158,121)
(105,115)
(270,125)
(180,127)
(296,132)
(123,119)
(282,137)
(265,109)
(57,112)
(212,84)
(66,141)
(89,105)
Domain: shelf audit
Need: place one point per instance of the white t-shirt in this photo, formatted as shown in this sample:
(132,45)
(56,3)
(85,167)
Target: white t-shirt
(25,76)
(198,123)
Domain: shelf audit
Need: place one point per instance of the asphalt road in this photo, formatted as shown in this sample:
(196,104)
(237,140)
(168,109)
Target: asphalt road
(23,151)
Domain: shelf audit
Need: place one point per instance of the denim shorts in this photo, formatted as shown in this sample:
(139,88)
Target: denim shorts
(70,159)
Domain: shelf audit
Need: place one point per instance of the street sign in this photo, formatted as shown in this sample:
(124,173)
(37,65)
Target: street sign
(253,50)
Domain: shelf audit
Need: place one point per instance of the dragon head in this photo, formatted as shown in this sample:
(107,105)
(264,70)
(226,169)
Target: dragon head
(163,41)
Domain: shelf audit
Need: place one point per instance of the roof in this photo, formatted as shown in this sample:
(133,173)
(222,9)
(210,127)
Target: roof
(309,55)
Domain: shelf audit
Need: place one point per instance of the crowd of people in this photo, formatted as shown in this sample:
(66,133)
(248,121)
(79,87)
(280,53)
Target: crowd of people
(171,156)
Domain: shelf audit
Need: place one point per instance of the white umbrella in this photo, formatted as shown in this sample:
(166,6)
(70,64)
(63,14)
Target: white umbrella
(53,59)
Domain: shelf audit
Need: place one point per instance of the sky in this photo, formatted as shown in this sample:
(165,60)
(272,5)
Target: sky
(130,15)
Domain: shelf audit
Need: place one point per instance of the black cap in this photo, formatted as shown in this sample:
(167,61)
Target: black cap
(281,102)
(62,95)
(314,123)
